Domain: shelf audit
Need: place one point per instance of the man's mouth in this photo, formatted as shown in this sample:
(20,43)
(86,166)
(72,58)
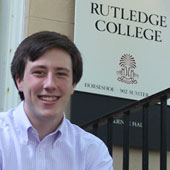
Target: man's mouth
(48,99)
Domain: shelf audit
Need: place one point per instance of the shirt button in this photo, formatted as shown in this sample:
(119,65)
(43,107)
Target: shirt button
(41,149)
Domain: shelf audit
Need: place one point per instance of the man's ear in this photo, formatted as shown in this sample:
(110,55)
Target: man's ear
(74,85)
(19,84)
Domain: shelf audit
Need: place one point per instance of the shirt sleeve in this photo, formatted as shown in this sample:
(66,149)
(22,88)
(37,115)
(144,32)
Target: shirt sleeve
(0,160)
(98,157)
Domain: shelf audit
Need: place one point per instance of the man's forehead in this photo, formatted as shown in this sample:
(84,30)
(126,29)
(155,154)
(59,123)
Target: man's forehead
(37,55)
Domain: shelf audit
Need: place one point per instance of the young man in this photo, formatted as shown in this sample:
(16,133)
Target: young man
(36,135)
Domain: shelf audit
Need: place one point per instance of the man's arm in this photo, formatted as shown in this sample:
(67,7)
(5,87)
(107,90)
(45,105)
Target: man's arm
(0,160)
(98,158)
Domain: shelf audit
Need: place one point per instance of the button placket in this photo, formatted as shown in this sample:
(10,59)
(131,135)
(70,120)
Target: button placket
(40,157)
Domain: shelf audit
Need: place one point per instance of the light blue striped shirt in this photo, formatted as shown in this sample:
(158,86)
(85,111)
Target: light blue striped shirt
(68,148)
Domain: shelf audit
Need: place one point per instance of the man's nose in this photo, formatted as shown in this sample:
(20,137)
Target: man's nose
(50,82)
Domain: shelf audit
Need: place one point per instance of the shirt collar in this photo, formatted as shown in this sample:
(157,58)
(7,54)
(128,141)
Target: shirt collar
(21,121)
(62,125)
(60,130)
(23,124)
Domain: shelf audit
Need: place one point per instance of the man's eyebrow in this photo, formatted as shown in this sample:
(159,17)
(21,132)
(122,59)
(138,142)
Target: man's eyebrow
(57,68)
(62,69)
(38,66)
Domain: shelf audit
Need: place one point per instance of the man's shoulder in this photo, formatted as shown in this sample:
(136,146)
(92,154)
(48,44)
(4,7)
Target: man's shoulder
(81,135)
(5,119)
(3,114)
(4,128)
(94,149)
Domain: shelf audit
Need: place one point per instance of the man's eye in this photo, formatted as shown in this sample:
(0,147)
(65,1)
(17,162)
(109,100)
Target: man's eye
(39,73)
(61,74)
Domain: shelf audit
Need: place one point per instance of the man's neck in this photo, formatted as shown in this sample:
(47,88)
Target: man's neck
(46,126)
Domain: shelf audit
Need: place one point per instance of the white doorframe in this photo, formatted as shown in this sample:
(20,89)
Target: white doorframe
(12,20)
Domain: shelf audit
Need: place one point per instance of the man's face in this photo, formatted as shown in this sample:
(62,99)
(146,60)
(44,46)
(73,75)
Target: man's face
(47,85)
